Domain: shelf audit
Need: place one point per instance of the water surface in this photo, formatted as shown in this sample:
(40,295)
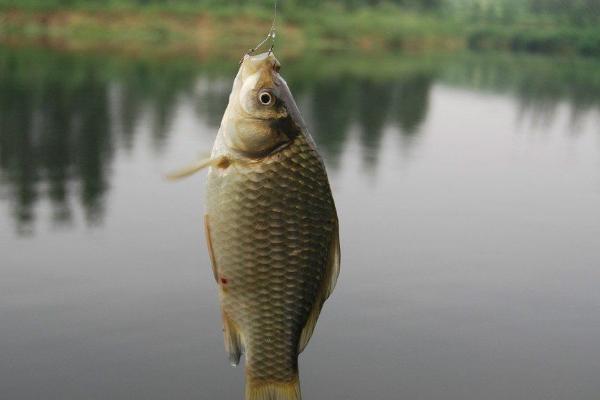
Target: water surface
(467,189)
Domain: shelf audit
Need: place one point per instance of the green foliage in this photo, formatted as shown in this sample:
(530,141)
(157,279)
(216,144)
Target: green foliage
(557,11)
(538,26)
(585,41)
(551,26)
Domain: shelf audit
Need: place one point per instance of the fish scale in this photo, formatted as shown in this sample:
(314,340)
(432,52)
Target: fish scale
(270,225)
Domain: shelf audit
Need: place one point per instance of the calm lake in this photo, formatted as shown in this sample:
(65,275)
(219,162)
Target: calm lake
(468,191)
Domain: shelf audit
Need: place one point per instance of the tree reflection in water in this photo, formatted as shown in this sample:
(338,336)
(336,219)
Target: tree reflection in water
(62,116)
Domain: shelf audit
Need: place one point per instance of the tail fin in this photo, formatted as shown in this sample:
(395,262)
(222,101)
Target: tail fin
(289,390)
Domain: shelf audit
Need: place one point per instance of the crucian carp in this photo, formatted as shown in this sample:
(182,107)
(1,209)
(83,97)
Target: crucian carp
(271,227)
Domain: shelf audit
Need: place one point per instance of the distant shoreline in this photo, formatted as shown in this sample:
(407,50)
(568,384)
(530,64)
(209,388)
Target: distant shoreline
(208,33)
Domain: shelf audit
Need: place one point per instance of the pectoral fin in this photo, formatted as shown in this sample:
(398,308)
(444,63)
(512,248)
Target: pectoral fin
(332,270)
(232,336)
(197,166)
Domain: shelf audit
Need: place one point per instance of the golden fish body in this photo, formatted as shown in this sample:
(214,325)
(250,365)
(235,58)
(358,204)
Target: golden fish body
(272,230)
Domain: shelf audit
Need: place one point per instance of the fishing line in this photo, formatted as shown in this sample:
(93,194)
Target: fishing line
(270,35)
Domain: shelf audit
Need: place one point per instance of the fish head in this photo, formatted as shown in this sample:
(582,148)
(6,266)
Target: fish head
(262,116)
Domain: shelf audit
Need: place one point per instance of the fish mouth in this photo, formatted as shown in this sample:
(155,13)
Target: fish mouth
(263,61)
(262,57)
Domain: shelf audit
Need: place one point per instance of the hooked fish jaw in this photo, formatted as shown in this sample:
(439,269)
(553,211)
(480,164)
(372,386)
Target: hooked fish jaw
(265,61)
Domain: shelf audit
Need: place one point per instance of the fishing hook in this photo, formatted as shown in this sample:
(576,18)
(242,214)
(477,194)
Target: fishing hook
(270,35)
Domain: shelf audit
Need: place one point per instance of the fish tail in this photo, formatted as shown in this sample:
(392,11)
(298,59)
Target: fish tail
(260,390)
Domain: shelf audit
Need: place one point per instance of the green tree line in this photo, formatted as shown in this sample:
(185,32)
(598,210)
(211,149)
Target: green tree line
(543,26)
(575,9)
(567,11)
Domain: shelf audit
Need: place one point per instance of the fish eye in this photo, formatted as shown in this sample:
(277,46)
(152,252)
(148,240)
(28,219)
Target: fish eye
(265,98)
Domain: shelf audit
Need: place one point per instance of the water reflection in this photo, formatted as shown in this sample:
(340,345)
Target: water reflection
(54,130)
(539,85)
(370,103)
(59,118)
(63,116)
(333,105)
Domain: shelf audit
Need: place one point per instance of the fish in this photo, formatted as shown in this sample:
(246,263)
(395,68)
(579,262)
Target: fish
(272,229)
